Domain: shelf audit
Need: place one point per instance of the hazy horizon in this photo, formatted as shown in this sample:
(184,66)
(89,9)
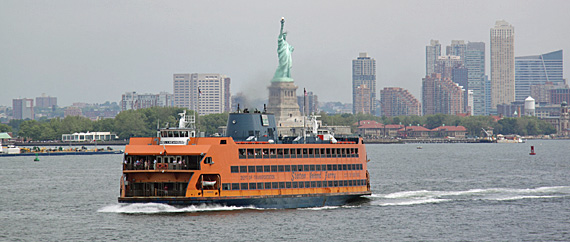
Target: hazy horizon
(94,51)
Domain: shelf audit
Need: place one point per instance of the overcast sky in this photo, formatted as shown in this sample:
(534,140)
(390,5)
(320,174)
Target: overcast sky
(94,51)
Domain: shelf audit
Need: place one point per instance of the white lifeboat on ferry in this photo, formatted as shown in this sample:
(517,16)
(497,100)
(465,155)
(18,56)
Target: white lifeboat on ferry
(208,183)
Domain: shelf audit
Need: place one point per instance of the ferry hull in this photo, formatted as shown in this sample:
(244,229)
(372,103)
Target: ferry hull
(280,202)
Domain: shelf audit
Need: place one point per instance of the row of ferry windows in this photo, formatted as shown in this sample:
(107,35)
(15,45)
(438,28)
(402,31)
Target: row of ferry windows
(298,153)
(285,185)
(288,168)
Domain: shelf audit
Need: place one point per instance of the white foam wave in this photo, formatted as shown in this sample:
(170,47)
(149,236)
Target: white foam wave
(330,207)
(411,202)
(154,208)
(497,194)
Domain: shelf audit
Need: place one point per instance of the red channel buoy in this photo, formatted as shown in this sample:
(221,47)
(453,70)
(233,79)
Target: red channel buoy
(532,151)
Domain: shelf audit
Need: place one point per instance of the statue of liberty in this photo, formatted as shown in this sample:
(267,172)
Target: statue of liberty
(284,51)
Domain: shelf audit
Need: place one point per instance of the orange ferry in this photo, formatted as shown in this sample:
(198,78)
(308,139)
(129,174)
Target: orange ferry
(250,167)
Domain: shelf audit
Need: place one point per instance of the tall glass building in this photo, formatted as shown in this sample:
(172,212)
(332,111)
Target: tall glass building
(475,63)
(537,70)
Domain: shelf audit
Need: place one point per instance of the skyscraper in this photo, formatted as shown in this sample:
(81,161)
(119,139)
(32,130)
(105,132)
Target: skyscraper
(432,52)
(537,70)
(475,64)
(441,95)
(457,48)
(363,74)
(204,93)
(397,101)
(502,64)
(445,65)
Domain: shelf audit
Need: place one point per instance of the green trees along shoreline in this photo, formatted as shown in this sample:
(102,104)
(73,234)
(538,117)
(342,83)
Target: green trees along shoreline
(143,123)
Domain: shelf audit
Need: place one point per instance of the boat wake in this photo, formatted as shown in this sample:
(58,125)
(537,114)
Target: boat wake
(157,208)
(407,198)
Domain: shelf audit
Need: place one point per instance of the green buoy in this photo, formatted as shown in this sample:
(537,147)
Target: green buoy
(37,157)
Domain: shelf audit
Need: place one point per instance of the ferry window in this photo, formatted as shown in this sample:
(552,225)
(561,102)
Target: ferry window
(267,185)
(328,152)
(223,142)
(243,186)
(170,134)
(345,182)
(307,184)
(208,160)
(226,186)
(353,167)
(243,169)
(281,168)
(301,184)
(235,186)
(317,167)
(274,168)
(323,151)
(300,168)
(344,167)
(260,185)
(258,168)
(274,185)
(250,153)
(286,151)
(251,169)
(257,153)
(317,152)
(295,184)
(294,167)
(242,153)
(234,169)
(266,169)
(279,151)
(313,184)
(359,166)
(287,168)
(252,186)
(335,168)
(350,183)
(312,168)
(272,152)
(336,183)
(287,184)
(306,167)
(304,152)
(329,167)
(319,184)
(265,152)
(310,151)
(330,183)
(356,151)
(176,133)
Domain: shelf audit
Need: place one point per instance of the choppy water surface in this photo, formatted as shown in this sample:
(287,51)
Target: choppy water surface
(443,192)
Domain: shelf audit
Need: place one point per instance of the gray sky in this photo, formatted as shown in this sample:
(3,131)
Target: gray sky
(94,51)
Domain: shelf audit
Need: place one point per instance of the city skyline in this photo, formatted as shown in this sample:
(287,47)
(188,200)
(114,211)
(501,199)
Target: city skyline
(62,47)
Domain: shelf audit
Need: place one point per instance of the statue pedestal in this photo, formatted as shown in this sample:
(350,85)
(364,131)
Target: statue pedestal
(283,102)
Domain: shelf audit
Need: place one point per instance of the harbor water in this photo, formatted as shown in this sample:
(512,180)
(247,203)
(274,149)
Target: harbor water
(442,192)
